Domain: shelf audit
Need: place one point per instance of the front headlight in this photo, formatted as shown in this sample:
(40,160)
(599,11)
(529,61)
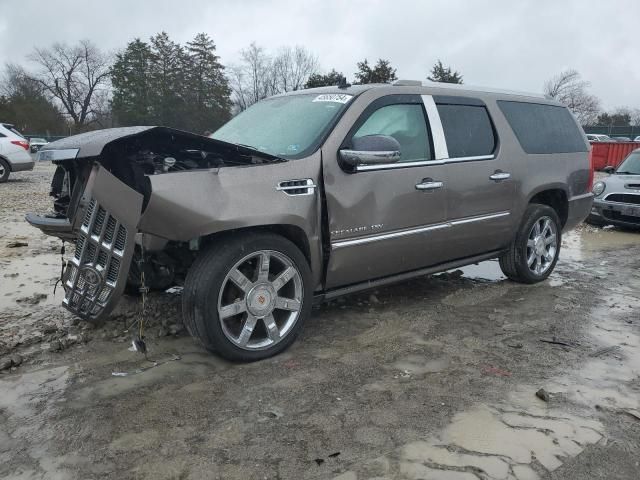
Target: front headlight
(598,188)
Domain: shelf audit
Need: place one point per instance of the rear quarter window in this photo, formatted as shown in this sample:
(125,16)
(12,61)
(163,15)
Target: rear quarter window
(468,130)
(543,129)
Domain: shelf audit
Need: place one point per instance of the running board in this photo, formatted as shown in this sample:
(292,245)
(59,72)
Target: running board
(401,277)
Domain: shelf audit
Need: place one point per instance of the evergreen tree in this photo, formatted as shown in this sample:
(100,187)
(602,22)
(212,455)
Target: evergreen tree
(382,72)
(440,73)
(167,70)
(130,78)
(324,80)
(208,94)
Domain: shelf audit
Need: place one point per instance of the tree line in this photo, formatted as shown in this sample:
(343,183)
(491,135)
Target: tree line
(67,89)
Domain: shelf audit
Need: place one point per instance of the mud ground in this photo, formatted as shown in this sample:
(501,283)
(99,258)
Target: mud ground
(431,379)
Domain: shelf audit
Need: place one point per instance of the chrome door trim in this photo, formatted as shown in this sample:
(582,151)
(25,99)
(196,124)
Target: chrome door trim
(440,149)
(479,218)
(415,230)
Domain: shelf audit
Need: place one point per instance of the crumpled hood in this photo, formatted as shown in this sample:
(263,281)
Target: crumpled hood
(92,144)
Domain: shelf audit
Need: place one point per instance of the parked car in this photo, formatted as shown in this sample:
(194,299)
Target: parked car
(617,198)
(637,139)
(314,194)
(596,137)
(621,139)
(36,144)
(14,152)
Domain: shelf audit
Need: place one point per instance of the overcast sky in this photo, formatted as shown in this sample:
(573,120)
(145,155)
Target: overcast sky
(507,44)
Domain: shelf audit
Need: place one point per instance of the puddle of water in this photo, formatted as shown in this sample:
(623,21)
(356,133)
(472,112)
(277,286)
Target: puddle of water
(489,271)
(580,244)
(29,275)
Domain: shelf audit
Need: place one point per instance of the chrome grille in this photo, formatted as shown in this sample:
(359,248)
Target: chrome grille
(93,271)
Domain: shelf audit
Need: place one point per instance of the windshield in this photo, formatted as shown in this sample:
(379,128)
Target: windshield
(290,127)
(631,166)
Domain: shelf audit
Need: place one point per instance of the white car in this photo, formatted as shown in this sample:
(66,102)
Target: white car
(637,139)
(14,152)
(37,143)
(595,137)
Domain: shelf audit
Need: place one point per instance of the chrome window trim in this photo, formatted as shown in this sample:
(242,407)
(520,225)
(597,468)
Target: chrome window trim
(440,149)
(424,163)
(415,230)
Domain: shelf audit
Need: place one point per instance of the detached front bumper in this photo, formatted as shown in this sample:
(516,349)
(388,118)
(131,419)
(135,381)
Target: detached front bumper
(615,213)
(104,228)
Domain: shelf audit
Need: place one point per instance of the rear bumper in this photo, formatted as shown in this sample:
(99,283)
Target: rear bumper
(579,208)
(22,166)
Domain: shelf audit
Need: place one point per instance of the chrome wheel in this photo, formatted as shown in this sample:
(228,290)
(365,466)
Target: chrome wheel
(260,300)
(542,245)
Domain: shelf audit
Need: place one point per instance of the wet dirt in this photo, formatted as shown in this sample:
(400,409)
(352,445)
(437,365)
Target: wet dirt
(430,379)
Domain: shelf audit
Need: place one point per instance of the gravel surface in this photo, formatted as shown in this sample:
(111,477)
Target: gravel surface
(463,375)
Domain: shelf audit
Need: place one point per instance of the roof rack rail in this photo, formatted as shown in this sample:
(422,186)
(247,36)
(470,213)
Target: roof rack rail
(407,83)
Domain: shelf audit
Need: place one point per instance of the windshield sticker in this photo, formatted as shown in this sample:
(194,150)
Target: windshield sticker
(333,97)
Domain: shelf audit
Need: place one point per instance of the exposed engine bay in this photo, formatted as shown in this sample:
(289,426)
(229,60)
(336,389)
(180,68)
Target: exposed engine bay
(131,157)
(100,191)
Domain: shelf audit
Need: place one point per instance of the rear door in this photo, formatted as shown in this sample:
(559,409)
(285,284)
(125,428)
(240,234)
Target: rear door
(481,180)
(386,218)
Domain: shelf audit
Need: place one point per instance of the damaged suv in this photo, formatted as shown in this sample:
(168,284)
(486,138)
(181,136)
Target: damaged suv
(314,194)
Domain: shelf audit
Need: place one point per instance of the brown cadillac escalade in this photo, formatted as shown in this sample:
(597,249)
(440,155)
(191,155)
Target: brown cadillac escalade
(314,194)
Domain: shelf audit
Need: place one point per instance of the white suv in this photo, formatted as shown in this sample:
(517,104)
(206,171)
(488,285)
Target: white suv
(14,152)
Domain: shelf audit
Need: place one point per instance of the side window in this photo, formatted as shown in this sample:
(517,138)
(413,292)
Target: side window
(543,128)
(467,130)
(2,135)
(404,122)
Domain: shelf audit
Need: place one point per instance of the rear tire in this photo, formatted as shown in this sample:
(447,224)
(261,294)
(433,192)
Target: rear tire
(247,296)
(5,170)
(534,251)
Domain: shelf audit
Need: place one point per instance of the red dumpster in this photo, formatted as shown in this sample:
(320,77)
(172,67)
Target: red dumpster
(611,154)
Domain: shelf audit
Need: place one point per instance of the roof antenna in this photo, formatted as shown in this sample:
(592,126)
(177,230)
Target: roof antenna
(342,83)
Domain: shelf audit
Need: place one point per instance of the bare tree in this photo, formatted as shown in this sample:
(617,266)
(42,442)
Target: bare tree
(260,75)
(292,67)
(76,77)
(252,79)
(635,117)
(569,89)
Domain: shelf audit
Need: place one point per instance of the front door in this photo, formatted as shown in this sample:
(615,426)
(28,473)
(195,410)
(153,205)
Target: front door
(388,218)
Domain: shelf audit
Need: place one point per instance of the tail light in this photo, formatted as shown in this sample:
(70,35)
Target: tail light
(591,169)
(21,143)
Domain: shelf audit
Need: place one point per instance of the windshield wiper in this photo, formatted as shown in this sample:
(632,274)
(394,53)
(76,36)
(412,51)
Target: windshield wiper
(626,173)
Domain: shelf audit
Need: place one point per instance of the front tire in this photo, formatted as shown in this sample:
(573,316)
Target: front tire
(247,296)
(534,252)
(5,170)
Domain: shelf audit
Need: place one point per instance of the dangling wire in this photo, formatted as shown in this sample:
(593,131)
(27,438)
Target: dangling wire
(64,264)
(139,342)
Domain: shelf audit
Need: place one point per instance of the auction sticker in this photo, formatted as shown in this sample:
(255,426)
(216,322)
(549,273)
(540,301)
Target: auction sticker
(333,97)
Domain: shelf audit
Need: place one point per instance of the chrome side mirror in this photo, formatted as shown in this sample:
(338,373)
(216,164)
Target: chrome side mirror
(371,150)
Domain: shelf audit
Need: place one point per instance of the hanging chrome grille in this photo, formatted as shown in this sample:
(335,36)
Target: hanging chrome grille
(93,271)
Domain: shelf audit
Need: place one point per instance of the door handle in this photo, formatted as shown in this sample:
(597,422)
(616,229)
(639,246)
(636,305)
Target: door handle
(497,176)
(429,184)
